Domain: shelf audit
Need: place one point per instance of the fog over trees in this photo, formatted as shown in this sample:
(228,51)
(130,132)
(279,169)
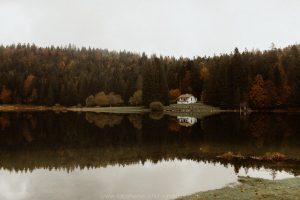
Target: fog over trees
(72,76)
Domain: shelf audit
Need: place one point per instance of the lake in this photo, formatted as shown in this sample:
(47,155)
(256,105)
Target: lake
(140,156)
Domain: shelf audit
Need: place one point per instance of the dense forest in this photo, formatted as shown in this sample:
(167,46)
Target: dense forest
(86,76)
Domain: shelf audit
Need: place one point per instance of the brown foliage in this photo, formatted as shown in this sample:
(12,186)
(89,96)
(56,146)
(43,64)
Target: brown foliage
(139,83)
(174,126)
(229,155)
(258,127)
(136,99)
(4,122)
(114,99)
(261,93)
(90,101)
(27,83)
(102,99)
(204,73)
(5,95)
(136,121)
(174,93)
(102,120)
(271,156)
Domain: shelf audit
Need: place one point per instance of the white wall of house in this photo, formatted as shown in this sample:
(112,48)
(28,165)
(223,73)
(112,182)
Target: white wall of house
(188,100)
(186,121)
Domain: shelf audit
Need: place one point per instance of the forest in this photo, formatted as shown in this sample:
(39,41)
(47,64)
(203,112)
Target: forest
(72,76)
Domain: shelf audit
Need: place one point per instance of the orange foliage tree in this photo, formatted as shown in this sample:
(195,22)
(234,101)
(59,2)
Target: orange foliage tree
(204,73)
(174,93)
(258,95)
(5,95)
(262,93)
(28,83)
(136,98)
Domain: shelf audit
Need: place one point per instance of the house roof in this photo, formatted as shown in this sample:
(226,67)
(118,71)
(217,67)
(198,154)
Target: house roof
(185,95)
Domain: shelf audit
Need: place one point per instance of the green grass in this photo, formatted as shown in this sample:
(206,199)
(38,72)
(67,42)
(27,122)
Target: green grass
(120,109)
(198,110)
(253,188)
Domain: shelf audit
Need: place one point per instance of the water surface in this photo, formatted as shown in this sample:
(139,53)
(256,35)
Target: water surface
(109,156)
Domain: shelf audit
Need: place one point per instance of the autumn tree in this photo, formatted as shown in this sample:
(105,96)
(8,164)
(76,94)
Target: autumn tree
(68,75)
(114,99)
(259,95)
(90,101)
(136,99)
(28,84)
(174,93)
(5,95)
(101,99)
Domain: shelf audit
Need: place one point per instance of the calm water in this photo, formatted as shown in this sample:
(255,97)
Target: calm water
(108,156)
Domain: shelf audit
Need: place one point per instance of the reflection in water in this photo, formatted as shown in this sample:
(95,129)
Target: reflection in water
(102,120)
(136,121)
(165,180)
(156,115)
(265,173)
(102,153)
(186,121)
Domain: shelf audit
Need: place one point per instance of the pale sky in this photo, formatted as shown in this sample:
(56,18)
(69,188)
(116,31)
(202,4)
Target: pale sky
(166,27)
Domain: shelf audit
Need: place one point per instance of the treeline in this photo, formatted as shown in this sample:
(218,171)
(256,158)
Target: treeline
(263,80)
(85,76)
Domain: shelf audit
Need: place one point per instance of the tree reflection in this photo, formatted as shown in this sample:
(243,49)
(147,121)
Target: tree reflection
(174,125)
(102,120)
(4,122)
(136,121)
(69,140)
(258,128)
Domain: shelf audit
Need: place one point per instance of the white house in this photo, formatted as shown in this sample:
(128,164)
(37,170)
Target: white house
(186,99)
(186,121)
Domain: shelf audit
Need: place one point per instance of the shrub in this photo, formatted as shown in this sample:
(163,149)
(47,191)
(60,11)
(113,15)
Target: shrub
(156,115)
(136,99)
(101,99)
(90,101)
(114,99)
(156,106)
(275,156)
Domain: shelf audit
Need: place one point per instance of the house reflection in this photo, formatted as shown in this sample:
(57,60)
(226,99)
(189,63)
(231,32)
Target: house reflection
(186,121)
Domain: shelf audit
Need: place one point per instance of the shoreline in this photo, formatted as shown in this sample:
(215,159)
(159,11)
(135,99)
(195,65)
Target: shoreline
(35,108)
(253,188)
(173,109)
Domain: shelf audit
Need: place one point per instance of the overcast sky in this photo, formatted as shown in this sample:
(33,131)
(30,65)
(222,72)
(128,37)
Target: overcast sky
(168,27)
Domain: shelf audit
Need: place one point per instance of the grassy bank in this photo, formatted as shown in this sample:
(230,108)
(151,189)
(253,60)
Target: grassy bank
(33,108)
(197,110)
(120,109)
(253,188)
